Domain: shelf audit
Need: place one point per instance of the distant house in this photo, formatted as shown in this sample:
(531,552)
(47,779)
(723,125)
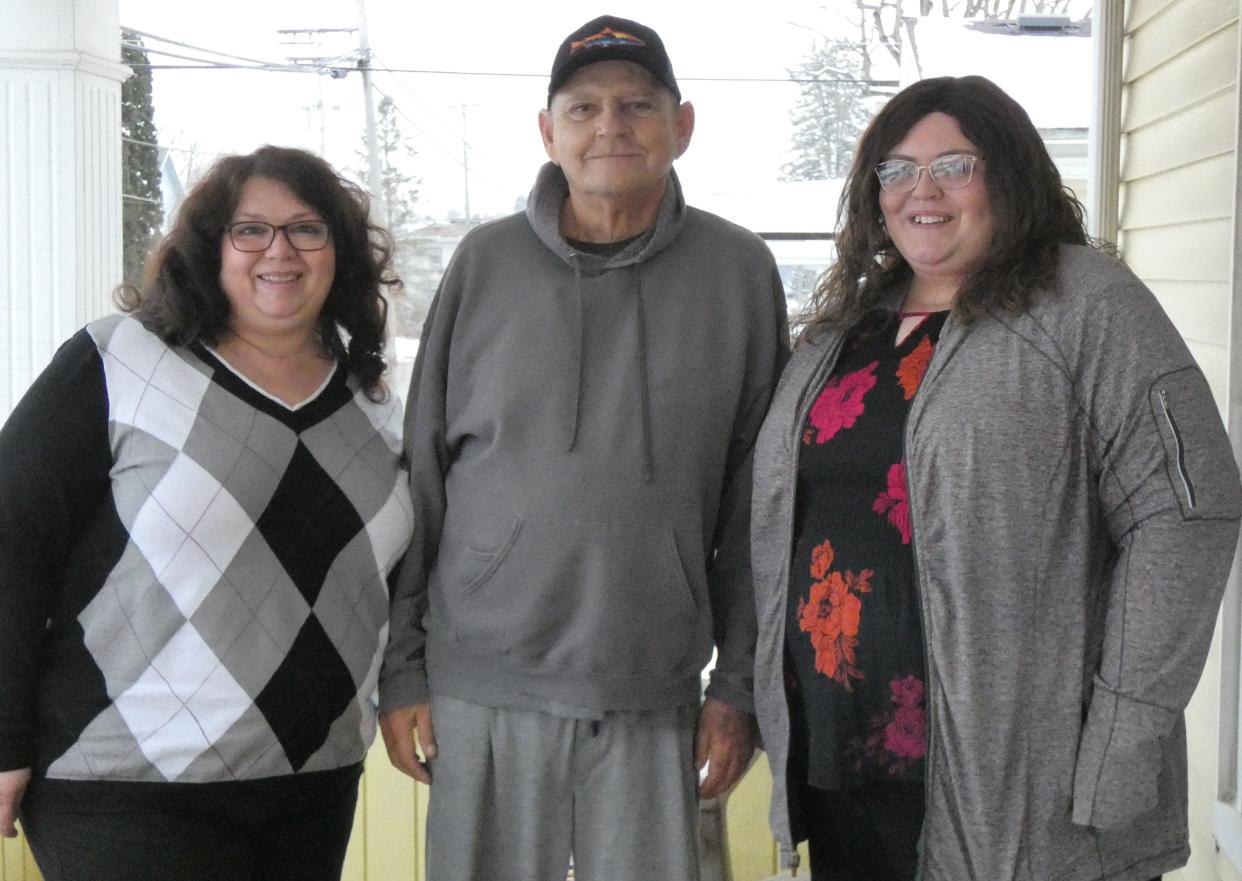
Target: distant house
(422,256)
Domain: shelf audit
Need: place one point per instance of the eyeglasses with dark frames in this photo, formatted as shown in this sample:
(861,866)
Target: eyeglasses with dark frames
(951,172)
(256,235)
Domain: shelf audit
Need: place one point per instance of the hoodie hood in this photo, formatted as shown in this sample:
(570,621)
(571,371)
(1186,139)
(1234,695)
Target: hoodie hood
(543,210)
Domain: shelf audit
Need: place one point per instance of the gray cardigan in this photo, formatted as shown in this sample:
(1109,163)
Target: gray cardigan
(1075,505)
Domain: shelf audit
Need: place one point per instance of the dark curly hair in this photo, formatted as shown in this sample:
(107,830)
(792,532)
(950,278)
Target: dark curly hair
(181,300)
(1033,213)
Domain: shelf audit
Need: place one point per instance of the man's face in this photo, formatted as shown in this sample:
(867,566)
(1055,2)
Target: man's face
(615,131)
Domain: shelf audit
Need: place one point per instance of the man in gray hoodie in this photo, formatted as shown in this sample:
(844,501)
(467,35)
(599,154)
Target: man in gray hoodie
(589,385)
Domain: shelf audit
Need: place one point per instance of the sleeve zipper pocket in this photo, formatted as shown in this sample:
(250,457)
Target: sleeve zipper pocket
(1181,448)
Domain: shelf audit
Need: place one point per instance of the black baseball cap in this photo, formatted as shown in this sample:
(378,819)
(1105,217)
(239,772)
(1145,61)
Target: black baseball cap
(609,38)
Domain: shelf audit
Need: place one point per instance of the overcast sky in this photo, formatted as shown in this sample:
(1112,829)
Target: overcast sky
(742,132)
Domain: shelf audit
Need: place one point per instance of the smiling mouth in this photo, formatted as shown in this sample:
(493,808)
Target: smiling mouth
(279,277)
(929,219)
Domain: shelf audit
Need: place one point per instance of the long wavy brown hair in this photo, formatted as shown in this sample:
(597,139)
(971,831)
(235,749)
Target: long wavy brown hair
(1033,212)
(181,299)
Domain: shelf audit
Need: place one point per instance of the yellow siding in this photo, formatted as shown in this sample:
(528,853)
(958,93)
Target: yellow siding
(1195,191)
(1139,12)
(16,864)
(1198,309)
(1198,251)
(1176,27)
(1164,144)
(1178,162)
(1197,74)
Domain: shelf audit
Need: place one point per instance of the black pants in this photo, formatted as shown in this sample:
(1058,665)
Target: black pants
(287,841)
(865,834)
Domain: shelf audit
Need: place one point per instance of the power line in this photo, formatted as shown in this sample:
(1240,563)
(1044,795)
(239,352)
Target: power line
(190,46)
(436,143)
(321,69)
(451,129)
(190,150)
(341,70)
(206,62)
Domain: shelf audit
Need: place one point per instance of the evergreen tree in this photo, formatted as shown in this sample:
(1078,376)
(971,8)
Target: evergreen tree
(830,115)
(398,189)
(399,193)
(142,213)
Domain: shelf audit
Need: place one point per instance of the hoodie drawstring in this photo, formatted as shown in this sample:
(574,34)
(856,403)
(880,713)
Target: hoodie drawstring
(644,390)
(576,402)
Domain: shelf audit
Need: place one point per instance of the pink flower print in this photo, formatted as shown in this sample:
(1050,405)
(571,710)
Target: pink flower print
(895,501)
(898,737)
(841,403)
(903,737)
(907,691)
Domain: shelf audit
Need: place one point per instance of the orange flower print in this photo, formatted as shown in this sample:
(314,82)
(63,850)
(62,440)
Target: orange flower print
(832,616)
(895,502)
(840,404)
(912,367)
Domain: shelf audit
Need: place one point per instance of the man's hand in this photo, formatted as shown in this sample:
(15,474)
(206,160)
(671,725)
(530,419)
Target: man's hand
(12,788)
(725,742)
(399,727)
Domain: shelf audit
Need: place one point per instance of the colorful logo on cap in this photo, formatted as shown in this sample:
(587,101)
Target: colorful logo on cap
(606,38)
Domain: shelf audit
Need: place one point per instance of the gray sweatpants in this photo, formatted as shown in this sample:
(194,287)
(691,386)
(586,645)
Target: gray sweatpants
(515,792)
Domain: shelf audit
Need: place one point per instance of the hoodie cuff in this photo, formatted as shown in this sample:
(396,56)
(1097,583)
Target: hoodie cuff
(1116,778)
(724,689)
(403,690)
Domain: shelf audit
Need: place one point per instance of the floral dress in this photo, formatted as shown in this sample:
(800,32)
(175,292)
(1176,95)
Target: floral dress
(854,639)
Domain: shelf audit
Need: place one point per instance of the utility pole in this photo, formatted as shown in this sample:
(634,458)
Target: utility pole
(314,39)
(378,211)
(465,159)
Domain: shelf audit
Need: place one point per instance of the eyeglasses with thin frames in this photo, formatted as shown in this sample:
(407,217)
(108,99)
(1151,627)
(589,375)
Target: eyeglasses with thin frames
(256,235)
(951,172)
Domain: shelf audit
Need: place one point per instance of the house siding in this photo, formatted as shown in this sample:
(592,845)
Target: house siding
(1178,160)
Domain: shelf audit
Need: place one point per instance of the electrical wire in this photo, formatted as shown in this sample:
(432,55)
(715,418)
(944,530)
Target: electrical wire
(472,172)
(191,46)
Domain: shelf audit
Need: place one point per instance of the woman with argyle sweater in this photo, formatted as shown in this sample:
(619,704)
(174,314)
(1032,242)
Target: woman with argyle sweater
(201,502)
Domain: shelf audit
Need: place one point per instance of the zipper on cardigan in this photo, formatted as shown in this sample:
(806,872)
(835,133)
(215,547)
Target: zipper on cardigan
(1181,449)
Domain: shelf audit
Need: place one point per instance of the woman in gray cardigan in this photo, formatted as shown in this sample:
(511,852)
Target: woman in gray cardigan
(994,512)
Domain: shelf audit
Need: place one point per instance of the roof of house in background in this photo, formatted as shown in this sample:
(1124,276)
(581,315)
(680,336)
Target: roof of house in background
(1048,70)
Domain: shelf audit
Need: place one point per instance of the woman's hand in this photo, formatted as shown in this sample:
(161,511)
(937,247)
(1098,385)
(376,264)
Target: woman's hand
(12,787)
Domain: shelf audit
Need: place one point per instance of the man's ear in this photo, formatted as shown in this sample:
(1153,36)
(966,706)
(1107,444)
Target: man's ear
(685,126)
(545,132)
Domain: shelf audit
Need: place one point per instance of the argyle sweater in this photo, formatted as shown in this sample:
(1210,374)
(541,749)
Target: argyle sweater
(193,575)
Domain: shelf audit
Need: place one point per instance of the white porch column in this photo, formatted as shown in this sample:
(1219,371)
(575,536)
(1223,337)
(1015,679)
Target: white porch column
(60,177)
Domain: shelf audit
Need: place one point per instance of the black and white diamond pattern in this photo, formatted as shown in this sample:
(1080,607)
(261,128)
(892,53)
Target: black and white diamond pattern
(239,634)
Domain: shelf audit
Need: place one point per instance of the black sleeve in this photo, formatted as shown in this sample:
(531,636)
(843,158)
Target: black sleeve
(55,459)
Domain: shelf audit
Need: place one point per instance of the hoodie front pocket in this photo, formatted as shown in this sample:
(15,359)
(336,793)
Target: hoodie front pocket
(585,596)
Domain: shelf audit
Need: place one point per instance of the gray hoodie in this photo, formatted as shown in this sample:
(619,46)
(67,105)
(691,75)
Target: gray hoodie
(1074,503)
(579,433)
